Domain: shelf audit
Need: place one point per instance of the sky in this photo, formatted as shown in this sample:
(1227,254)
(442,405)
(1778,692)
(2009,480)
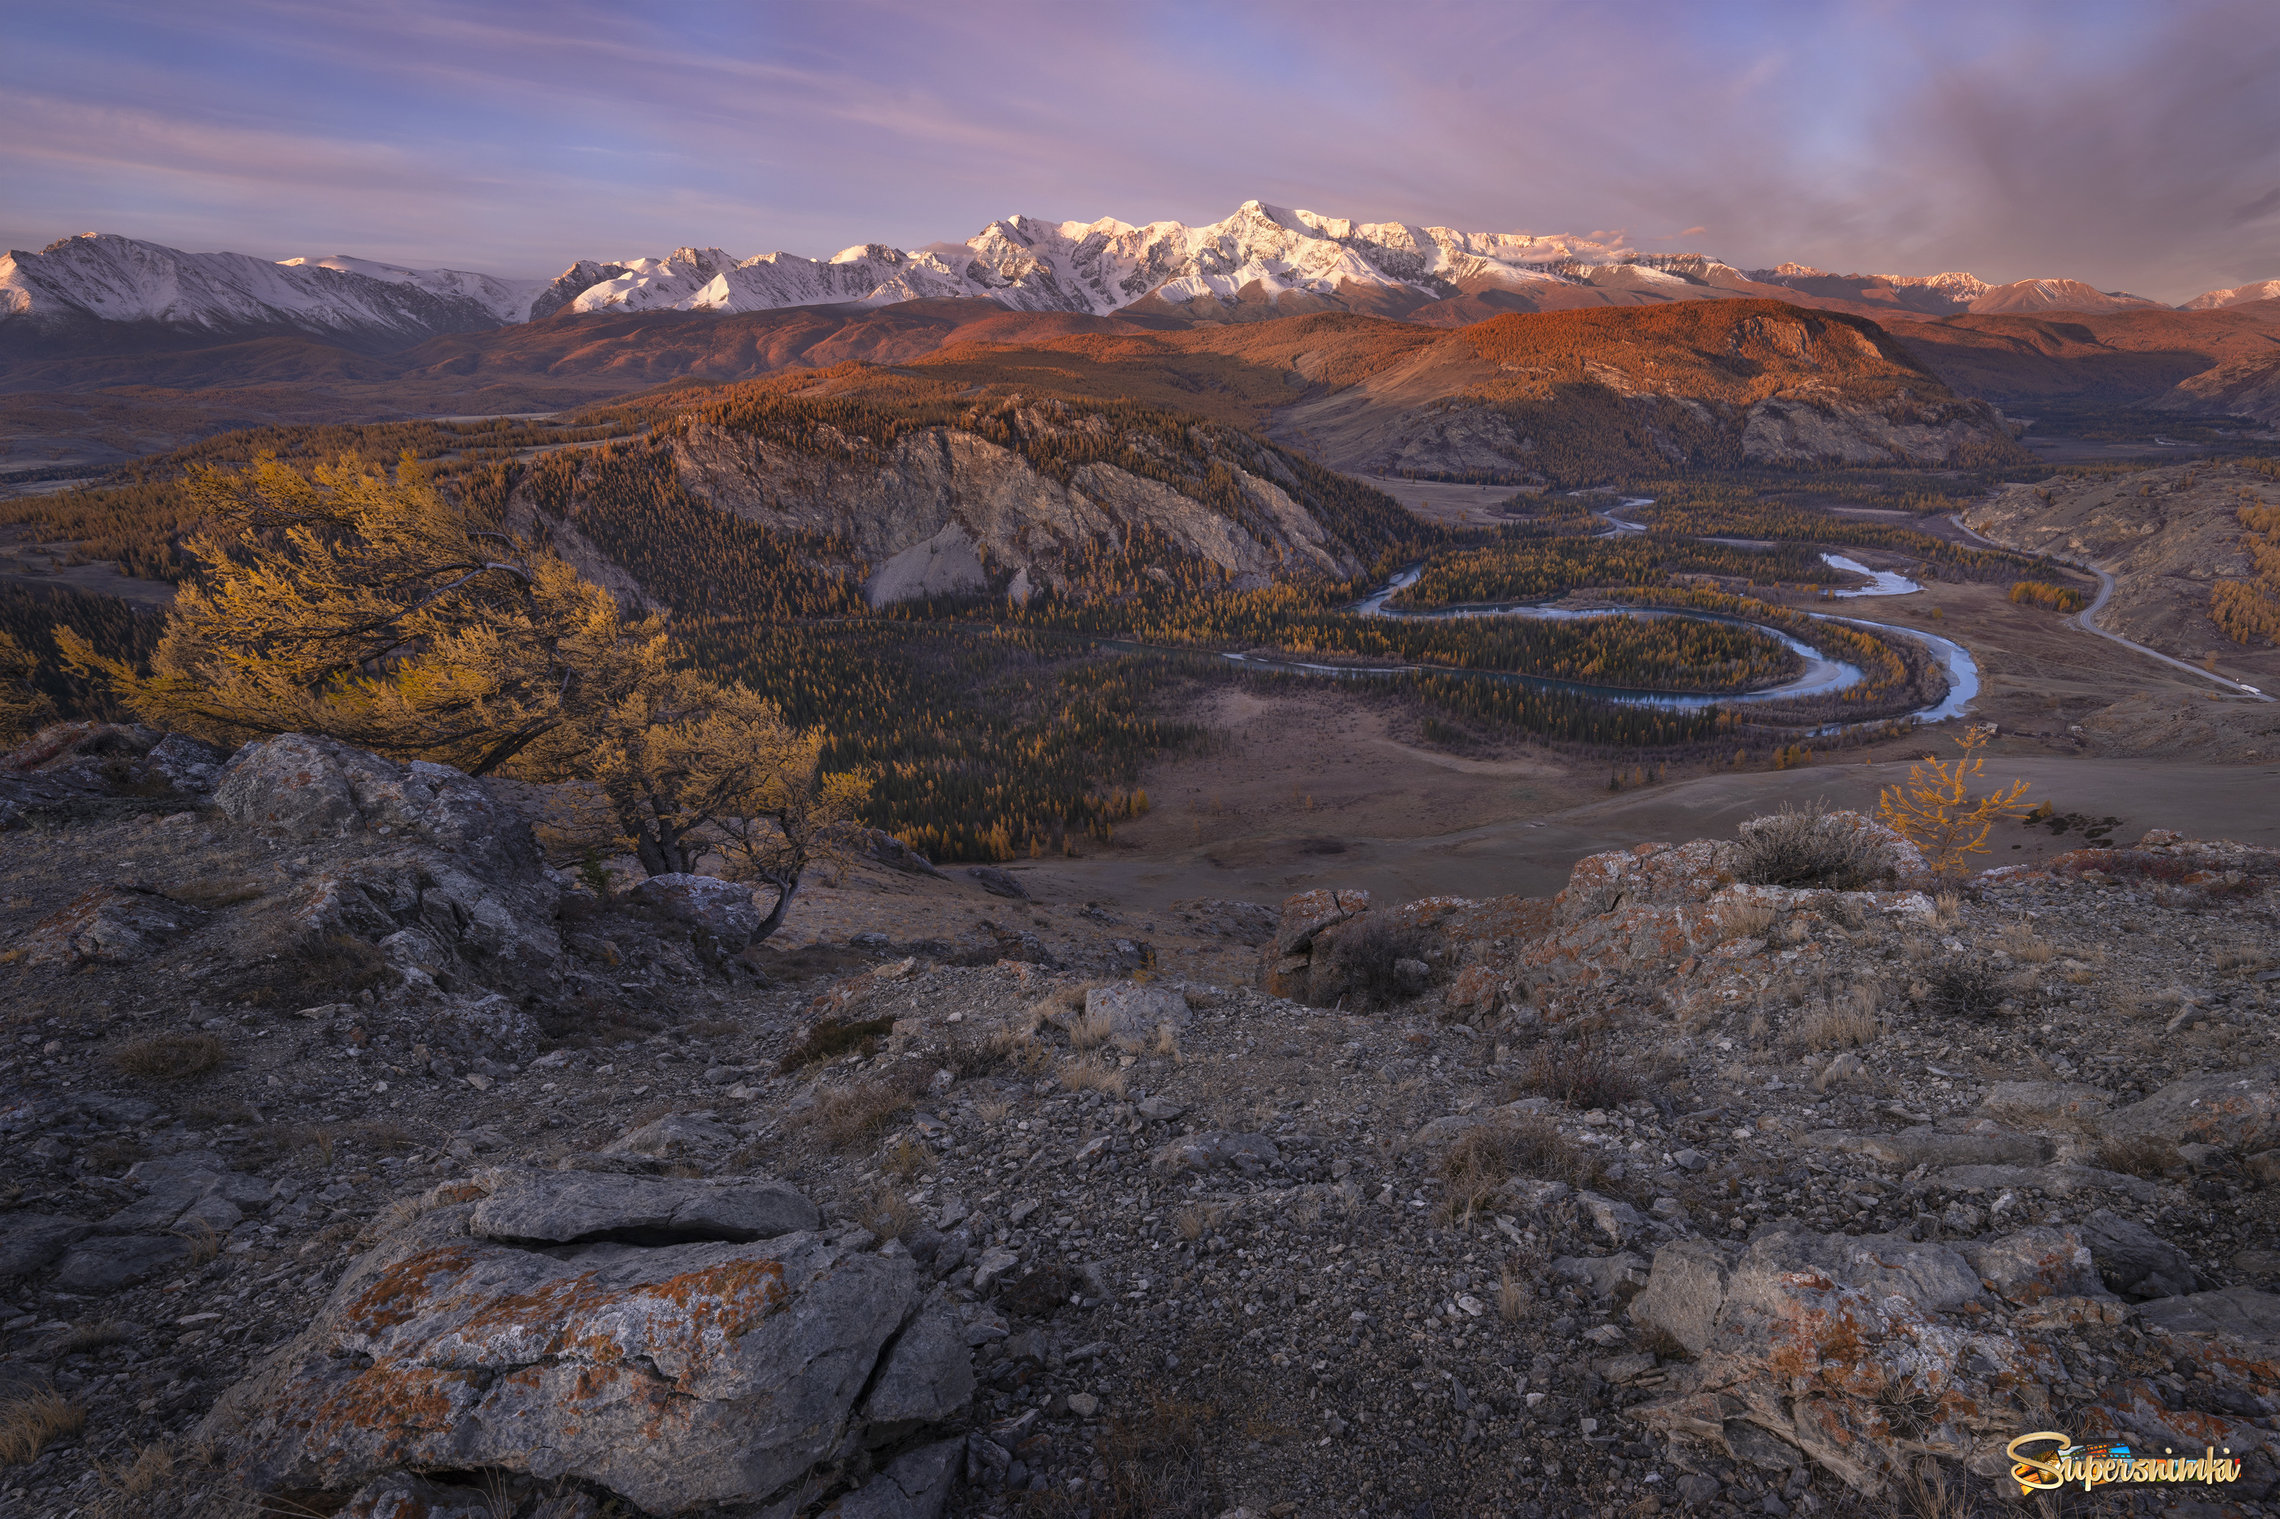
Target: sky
(2135,146)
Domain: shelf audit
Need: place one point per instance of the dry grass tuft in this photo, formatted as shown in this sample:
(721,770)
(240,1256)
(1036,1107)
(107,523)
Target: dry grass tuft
(854,1115)
(888,1214)
(993,1110)
(84,1337)
(1580,1071)
(216,892)
(170,1057)
(1092,1076)
(1167,1042)
(1488,1155)
(1513,1299)
(2021,943)
(205,1242)
(832,1037)
(1745,920)
(2242,957)
(1155,1460)
(1949,905)
(31,1423)
(1089,1031)
(151,1469)
(1192,1222)
(906,1158)
(1849,1023)
(2152,1156)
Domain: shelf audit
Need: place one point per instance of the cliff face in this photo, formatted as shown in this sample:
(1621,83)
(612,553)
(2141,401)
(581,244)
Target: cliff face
(944,511)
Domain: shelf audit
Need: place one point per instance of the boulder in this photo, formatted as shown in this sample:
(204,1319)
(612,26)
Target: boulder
(1135,1011)
(2236,1110)
(31,1242)
(81,769)
(1924,1145)
(2133,1260)
(114,1262)
(114,925)
(1605,1275)
(926,1377)
(914,1485)
(307,787)
(678,1377)
(404,1495)
(1310,912)
(672,1137)
(1248,1153)
(2241,1312)
(722,914)
(2033,1265)
(996,882)
(1684,1292)
(569,1207)
(2024,1100)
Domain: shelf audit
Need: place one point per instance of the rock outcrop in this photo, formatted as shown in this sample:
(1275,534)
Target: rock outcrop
(670,1344)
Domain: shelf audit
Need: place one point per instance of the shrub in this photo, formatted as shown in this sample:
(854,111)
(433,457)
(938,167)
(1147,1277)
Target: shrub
(2041,593)
(1486,1156)
(1361,961)
(1802,847)
(1966,986)
(170,1057)
(326,969)
(1580,1072)
(833,1037)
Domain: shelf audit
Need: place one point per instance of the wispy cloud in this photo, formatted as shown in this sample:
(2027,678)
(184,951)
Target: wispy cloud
(2131,145)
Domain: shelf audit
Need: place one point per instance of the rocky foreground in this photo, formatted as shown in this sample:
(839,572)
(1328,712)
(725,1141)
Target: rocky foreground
(362,1162)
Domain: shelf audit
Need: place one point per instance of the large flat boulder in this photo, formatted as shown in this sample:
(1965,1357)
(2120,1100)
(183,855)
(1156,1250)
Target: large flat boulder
(678,1377)
(569,1207)
(2237,1110)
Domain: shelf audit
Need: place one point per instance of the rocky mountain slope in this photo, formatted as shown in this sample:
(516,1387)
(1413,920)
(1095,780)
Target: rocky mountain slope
(1006,496)
(2121,358)
(1559,396)
(2166,535)
(360,1159)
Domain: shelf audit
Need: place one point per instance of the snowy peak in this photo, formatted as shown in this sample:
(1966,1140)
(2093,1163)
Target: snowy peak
(2210,300)
(104,277)
(1260,251)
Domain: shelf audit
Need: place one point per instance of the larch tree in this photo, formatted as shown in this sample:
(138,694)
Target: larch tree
(371,609)
(23,708)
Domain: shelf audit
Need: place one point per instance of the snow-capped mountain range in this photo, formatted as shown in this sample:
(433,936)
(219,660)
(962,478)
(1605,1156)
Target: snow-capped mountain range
(1093,268)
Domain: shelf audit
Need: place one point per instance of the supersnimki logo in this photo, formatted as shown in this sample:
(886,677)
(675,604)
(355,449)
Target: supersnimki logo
(2063,1460)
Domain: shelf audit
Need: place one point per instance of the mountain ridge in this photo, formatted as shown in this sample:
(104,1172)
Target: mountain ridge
(1261,260)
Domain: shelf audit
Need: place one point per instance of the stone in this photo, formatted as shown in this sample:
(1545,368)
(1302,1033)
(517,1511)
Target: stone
(678,1377)
(1684,1292)
(402,1495)
(113,926)
(2058,1180)
(566,1207)
(1617,1220)
(671,1137)
(110,1263)
(722,914)
(30,1242)
(2031,1265)
(1927,1146)
(2133,1260)
(993,1267)
(1248,1153)
(1526,1195)
(1135,1012)
(1307,914)
(1083,1404)
(1696,1490)
(1160,1109)
(2241,1312)
(914,1485)
(998,883)
(926,1376)
(1690,1159)
(2237,1110)
(1439,1133)
(1605,1275)
(1812,1330)
(293,784)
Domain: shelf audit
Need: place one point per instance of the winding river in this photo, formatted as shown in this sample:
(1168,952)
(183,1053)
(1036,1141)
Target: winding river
(1821,676)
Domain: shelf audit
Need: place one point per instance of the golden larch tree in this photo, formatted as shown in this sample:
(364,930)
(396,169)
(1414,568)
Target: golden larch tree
(1936,811)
